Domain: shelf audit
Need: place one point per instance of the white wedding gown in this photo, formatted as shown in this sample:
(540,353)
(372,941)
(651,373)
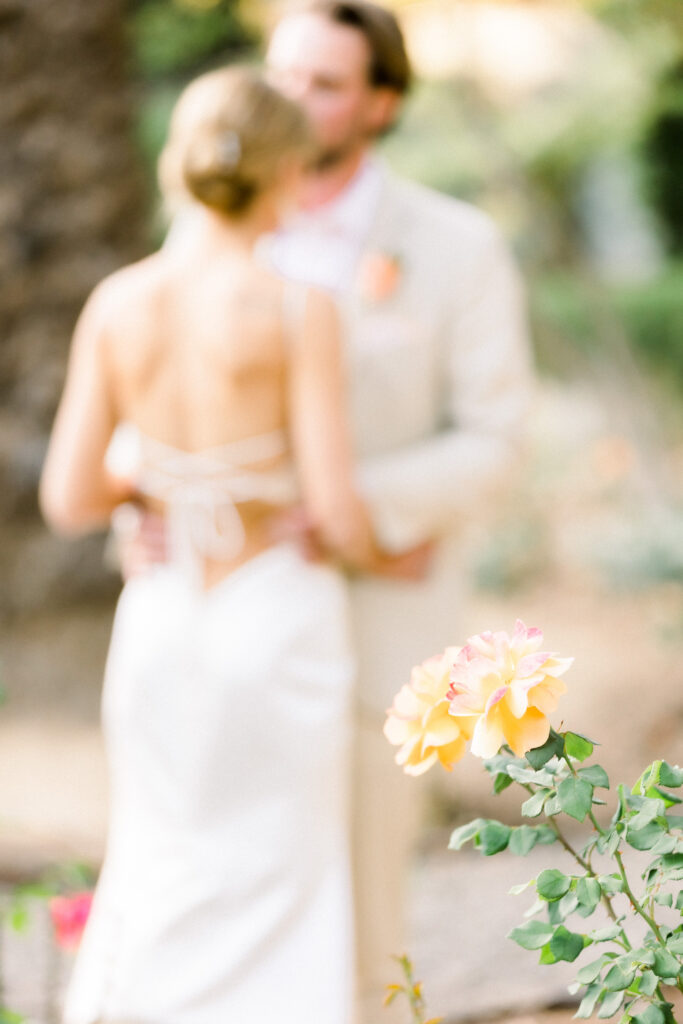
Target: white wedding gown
(224,897)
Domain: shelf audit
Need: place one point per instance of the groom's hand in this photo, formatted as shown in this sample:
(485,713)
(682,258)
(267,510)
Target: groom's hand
(409,566)
(293,524)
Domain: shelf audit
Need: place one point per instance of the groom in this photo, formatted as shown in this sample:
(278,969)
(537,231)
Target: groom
(439,377)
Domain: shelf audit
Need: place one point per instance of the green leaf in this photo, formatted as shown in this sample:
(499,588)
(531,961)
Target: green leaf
(672,865)
(666,965)
(588,893)
(577,746)
(545,835)
(552,805)
(650,1015)
(644,838)
(613,841)
(523,839)
(595,774)
(532,934)
(568,904)
(566,945)
(501,782)
(670,775)
(669,798)
(617,978)
(537,906)
(463,834)
(647,983)
(648,811)
(522,773)
(650,777)
(606,934)
(675,945)
(552,884)
(493,837)
(665,844)
(547,956)
(611,883)
(576,797)
(589,972)
(500,763)
(588,1002)
(664,899)
(532,807)
(553,747)
(621,803)
(679,900)
(515,890)
(610,1004)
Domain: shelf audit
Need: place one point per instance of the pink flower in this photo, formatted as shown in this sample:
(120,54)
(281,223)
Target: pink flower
(507,687)
(420,721)
(379,276)
(69,915)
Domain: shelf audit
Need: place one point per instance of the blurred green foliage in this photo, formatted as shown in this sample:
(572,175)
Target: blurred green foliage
(171,37)
(649,313)
(171,42)
(663,153)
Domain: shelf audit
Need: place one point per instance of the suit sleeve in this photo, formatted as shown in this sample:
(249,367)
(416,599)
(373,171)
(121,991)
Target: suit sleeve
(423,491)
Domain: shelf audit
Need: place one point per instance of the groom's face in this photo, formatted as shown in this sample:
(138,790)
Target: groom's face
(325,67)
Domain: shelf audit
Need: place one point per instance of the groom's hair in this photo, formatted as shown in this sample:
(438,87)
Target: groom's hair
(389,62)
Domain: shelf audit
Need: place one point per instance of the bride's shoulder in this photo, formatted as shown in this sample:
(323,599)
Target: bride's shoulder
(124,297)
(137,280)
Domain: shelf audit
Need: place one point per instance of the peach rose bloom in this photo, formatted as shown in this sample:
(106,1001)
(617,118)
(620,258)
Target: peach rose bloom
(508,688)
(420,721)
(69,916)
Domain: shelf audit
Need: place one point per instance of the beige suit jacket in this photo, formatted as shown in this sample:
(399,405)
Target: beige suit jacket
(439,378)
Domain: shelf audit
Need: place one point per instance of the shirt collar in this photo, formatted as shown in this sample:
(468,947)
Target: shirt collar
(349,214)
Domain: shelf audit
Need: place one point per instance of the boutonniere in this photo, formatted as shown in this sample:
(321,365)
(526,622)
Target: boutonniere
(379,276)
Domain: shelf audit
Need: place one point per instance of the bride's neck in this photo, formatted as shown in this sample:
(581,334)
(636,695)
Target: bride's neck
(206,234)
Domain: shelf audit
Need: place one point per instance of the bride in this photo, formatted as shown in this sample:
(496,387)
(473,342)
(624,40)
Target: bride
(224,895)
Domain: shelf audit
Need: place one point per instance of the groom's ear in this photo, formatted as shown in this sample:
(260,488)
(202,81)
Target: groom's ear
(382,109)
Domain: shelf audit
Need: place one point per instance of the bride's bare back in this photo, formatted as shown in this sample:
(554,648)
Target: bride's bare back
(197,352)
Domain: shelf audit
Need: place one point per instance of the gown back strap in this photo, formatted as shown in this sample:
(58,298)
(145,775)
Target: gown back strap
(201,489)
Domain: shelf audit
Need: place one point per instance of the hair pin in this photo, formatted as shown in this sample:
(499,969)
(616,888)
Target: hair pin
(229,150)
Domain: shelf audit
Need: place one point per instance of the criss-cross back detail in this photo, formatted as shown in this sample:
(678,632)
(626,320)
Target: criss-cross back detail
(201,489)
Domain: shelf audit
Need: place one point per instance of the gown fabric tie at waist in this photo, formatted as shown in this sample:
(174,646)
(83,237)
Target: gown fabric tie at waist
(225,895)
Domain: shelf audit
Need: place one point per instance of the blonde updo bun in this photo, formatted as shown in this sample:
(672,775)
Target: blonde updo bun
(230,132)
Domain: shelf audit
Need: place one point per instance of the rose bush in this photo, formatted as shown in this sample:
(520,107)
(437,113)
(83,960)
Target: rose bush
(500,693)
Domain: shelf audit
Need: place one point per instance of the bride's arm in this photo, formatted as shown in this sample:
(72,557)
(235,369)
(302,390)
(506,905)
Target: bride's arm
(76,492)
(321,437)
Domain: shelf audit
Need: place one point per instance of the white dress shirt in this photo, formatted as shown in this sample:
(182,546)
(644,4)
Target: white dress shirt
(322,247)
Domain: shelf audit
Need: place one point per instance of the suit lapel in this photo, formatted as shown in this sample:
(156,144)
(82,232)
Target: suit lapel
(386,243)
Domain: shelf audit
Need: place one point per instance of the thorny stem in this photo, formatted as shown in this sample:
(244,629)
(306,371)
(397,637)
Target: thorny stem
(635,903)
(604,898)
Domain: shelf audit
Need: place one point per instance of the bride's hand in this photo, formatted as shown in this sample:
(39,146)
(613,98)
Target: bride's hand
(140,537)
